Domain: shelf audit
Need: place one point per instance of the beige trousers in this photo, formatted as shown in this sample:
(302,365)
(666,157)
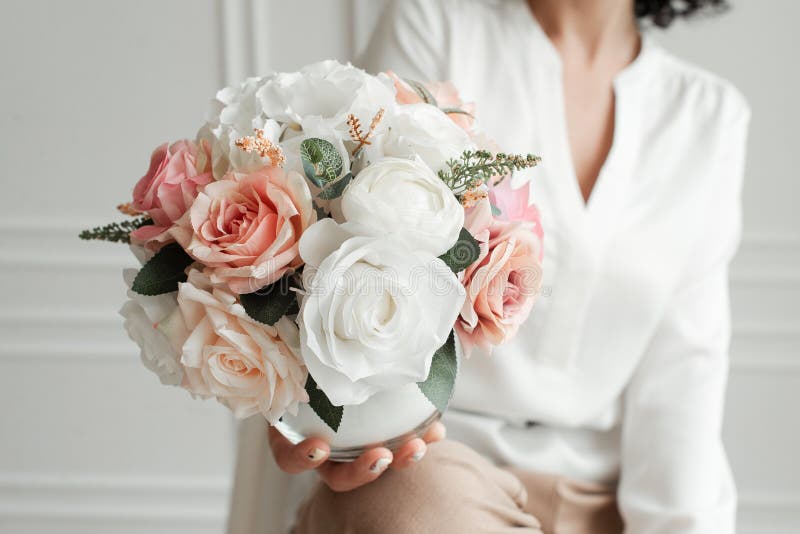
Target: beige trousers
(456,490)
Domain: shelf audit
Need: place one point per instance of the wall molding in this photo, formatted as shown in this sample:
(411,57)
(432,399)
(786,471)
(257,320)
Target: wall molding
(125,498)
(50,246)
(59,236)
(198,501)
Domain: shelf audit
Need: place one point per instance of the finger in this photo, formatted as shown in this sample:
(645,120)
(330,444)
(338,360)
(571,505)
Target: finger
(306,455)
(365,469)
(436,432)
(409,454)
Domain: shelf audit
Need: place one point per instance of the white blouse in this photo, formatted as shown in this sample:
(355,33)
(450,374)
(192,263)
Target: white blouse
(619,374)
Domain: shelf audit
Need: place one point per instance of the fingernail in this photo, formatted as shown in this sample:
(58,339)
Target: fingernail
(316,454)
(419,455)
(380,465)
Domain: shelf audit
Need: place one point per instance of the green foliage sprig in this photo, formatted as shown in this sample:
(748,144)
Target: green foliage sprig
(116,232)
(476,167)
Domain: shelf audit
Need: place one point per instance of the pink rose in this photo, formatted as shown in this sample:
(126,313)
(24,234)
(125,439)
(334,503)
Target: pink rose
(246,227)
(514,205)
(503,283)
(248,366)
(170,186)
(446,96)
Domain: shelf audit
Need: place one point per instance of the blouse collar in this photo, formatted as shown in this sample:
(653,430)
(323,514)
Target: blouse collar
(635,70)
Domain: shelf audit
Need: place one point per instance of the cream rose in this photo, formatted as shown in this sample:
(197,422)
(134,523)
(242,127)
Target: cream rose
(248,366)
(246,227)
(374,311)
(404,197)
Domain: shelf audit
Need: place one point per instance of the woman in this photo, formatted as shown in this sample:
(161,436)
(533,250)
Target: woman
(604,413)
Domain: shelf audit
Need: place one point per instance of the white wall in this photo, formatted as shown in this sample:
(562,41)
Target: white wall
(90,441)
(754,45)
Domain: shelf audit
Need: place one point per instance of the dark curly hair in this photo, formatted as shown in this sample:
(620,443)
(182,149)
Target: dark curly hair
(663,12)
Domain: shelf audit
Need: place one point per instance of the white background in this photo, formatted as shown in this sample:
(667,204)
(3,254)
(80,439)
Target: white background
(91,442)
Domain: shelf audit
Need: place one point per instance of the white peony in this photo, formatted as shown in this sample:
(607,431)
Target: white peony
(404,197)
(374,311)
(155,324)
(420,130)
(320,96)
(236,113)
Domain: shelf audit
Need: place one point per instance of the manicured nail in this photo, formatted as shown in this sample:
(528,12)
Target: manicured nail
(419,455)
(316,454)
(380,465)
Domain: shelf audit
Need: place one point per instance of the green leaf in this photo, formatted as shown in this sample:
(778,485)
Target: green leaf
(477,167)
(495,210)
(458,111)
(163,272)
(335,189)
(439,385)
(422,91)
(270,303)
(463,254)
(321,213)
(116,232)
(331,415)
(322,163)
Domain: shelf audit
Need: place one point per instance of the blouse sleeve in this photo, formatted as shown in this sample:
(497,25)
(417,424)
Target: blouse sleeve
(409,39)
(675,477)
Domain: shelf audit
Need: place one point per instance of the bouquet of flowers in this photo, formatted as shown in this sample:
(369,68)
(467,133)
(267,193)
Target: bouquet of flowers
(329,236)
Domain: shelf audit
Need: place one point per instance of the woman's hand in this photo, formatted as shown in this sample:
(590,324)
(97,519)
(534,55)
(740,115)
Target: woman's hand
(345,476)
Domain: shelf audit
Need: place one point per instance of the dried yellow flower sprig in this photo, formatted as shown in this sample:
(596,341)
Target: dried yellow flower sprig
(128,209)
(263,146)
(472,196)
(357,134)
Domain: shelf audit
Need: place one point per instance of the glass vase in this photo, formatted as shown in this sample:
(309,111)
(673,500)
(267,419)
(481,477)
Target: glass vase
(387,419)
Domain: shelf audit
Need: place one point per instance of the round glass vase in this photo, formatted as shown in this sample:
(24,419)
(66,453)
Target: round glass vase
(387,419)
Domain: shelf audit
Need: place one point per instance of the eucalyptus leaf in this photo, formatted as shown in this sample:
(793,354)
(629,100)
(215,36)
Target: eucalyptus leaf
(458,111)
(331,415)
(322,163)
(321,213)
(163,272)
(463,254)
(422,91)
(270,303)
(335,189)
(439,385)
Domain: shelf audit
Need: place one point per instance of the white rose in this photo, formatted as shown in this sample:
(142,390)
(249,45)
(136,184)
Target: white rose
(374,311)
(404,197)
(248,366)
(420,130)
(155,324)
(322,95)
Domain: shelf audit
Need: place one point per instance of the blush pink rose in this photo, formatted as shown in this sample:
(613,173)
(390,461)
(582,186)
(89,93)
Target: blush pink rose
(246,227)
(170,186)
(515,205)
(503,283)
(446,96)
(248,366)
